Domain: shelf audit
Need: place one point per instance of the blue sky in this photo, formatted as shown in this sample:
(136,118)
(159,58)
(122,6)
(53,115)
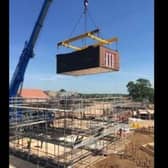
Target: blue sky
(132,21)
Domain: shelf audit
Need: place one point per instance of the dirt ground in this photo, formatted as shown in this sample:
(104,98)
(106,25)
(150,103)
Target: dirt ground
(16,162)
(134,158)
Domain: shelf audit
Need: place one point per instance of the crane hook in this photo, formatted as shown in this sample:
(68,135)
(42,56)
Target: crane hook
(85,5)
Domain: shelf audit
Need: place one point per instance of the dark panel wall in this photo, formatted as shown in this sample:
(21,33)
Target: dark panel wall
(78,60)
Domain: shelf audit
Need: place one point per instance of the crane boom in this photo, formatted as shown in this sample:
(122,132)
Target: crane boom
(27,53)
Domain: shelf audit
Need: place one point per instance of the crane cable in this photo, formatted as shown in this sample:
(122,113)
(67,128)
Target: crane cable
(85,18)
(85,12)
(74,28)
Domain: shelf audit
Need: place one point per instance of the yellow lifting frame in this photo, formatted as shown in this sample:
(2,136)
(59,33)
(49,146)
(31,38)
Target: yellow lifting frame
(77,37)
(97,38)
(111,40)
(107,41)
(70,46)
(101,41)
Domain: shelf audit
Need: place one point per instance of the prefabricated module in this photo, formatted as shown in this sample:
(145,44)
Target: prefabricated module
(91,59)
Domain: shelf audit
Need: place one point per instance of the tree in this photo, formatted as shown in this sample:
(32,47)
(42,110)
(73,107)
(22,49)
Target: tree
(141,90)
(62,90)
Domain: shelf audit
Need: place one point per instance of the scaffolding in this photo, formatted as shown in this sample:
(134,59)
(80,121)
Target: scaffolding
(64,132)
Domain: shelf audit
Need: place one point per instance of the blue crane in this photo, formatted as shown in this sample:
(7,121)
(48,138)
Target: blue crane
(27,53)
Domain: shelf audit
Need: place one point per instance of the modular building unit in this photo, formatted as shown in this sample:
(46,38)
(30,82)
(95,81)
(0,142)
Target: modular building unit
(91,60)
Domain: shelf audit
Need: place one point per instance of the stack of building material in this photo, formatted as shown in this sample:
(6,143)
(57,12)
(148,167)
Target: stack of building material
(136,123)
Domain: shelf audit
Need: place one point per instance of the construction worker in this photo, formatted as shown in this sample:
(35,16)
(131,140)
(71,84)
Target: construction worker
(120,132)
(29,144)
(41,144)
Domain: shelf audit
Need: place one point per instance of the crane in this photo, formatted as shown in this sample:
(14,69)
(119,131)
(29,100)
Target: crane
(27,53)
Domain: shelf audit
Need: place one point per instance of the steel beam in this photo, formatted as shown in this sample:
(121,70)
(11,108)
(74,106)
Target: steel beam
(77,37)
